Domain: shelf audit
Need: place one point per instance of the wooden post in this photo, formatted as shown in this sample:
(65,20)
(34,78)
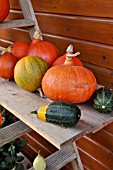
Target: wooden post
(28,13)
(76,163)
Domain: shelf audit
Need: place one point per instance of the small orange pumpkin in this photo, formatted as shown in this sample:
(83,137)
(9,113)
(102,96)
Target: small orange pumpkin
(69,83)
(61,59)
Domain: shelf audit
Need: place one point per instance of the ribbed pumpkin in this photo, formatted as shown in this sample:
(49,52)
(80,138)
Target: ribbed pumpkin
(7,64)
(43,49)
(29,71)
(69,83)
(4,9)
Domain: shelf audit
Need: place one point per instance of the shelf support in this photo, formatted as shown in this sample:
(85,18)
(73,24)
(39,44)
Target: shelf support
(29,14)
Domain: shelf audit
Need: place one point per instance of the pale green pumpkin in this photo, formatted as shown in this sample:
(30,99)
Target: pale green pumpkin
(29,71)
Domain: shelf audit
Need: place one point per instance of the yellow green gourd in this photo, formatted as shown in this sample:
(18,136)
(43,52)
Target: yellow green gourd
(39,162)
(29,71)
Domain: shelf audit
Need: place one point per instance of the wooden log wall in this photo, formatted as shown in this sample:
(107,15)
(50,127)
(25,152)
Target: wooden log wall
(88,25)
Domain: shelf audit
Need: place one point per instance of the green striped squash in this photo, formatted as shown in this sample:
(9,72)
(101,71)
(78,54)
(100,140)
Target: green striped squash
(60,113)
(103,100)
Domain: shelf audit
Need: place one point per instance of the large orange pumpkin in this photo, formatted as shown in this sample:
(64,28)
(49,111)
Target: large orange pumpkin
(69,83)
(4,9)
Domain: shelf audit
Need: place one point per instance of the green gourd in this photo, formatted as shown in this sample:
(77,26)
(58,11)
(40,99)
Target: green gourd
(103,100)
(29,71)
(59,113)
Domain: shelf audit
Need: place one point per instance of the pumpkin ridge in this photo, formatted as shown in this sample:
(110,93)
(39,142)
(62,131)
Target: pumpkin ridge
(37,71)
(40,65)
(28,72)
(22,78)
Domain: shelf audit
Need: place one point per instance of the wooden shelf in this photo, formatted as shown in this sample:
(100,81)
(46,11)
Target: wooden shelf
(60,158)
(16,23)
(21,103)
(13,131)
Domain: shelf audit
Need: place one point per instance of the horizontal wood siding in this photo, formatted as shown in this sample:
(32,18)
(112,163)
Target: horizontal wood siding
(88,26)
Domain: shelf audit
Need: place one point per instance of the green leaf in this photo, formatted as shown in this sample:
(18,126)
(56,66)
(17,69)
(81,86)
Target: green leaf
(19,158)
(21,143)
(5,153)
(9,160)
(3,165)
(19,166)
(12,149)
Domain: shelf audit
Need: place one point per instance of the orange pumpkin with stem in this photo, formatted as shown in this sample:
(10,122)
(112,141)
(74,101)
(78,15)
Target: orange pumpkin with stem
(69,83)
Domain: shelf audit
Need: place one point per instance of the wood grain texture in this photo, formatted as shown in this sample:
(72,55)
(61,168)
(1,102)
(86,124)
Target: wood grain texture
(103,137)
(97,151)
(94,53)
(91,29)
(74,7)
(90,162)
(16,23)
(91,23)
(28,102)
(21,103)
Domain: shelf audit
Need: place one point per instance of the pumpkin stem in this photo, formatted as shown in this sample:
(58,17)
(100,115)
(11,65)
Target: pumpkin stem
(3,51)
(69,49)
(68,61)
(39,153)
(6,50)
(9,49)
(37,35)
(70,56)
(40,92)
(34,112)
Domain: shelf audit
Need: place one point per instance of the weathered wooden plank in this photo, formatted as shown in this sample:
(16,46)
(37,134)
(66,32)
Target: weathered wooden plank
(103,137)
(39,142)
(13,131)
(21,103)
(91,29)
(90,162)
(28,13)
(96,151)
(16,23)
(82,7)
(104,76)
(94,53)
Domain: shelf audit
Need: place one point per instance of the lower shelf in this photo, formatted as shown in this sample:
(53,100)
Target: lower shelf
(12,132)
(60,158)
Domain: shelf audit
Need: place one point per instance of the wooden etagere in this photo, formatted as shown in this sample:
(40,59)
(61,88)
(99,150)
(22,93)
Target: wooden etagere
(17,129)
(21,103)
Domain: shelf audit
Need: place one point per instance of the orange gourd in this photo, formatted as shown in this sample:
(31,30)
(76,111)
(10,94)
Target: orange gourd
(7,64)
(69,83)
(4,9)
(19,49)
(69,50)
(43,49)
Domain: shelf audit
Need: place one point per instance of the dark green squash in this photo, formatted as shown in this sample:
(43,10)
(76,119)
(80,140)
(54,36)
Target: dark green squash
(60,113)
(103,100)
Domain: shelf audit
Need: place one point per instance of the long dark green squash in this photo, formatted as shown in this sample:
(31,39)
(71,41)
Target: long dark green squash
(60,113)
